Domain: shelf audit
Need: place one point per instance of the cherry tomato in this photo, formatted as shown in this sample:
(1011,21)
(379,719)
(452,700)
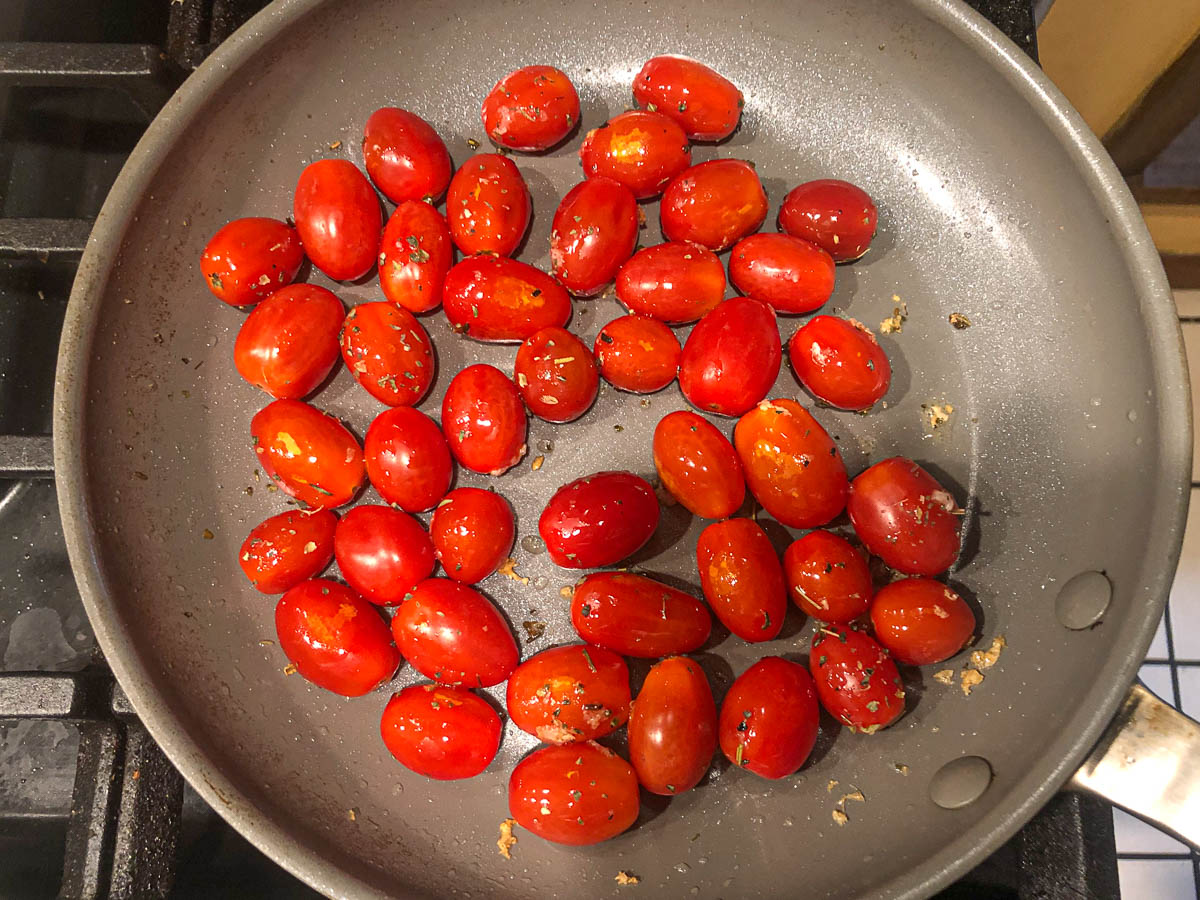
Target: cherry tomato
(595,230)
(289,342)
(731,358)
(569,694)
(574,793)
(404,156)
(675,282)
(769,718)
(556,375)
(530,109)
(857,682)
(382,553)
(284,550)
(673,727)
(840,362)
(249,259)
(742,579)
(488,206)
(494,298)
(792,466)
(828,577)
(638,354)
(637,616)
(698,465)
(641,150)
(441,732)
(484,420)
(408,461)
(388,353)
(905,517)
(921,621)
(338,217)
(706,104)
(454,635)
(310,453)
(792,275)
(835,215)
(415,255)
(335,638)
(472,531)
(598,520)
(714,204)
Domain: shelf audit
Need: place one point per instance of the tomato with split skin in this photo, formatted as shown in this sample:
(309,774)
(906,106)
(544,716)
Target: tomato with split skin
(556,375)
(828,577)
(713,372)
(569,694)
(769,718)
(594,231)
(791,274)
(598,520)
(491,298)
(441,732)
(338,217)
(472,532)
(531,109)
(637,616)
(312,455)
(404,156)
(641,150)
(706,104)
(249,259)
(742,579)
(407,459)
(714,204)
(388,353)
(414,256)
(483,418)
(698,465)
(675,282)
(637,354)
(673,727)
(857,681)
(289,342)
(488,206)
(921,621)
(835,215)
(839,361)
(382,553)
(288,548)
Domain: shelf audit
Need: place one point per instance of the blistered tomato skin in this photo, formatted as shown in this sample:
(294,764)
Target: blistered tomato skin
(569,694)
(595,230)
(791,274)
(637,616)
(407,459)
(388,353)
(531,109)
(641,150)
(249,259)
(857,682)
(312,455)
(713,371)
(713,204)
(675,282)
(441,732)
(284,550)
(706,104)
(404,156)
(637,354)
(835,215)
(673,727)
(921,621)
(556,375)
(492,298)
(488,206)
(769,718)
(484,420)
(382,553)
(289,342)
(840,362)
(742,579)
(338,217)
(598,520)
(698,465)
(472,532)
(828,577)
(414,257)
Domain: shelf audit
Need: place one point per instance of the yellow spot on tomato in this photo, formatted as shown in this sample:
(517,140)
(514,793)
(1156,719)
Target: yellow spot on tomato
(289,443)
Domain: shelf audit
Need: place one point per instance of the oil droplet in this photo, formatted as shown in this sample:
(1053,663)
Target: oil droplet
(531,543)
(1131,415)
(1096,401)
(702,860)
(682,868)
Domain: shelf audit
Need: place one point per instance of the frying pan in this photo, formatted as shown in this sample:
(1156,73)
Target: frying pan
(1069,442)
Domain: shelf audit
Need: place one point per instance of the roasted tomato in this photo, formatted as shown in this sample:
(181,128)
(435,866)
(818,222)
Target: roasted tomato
(840,362)
(488,206)
(921,621)
(284,550)
(574,794)
(247,260)
(472,531)
(792,275)
(335,638)
(637,616)
(494,298)
(415,256)
(673,727)
(454,635)
(338,217)
(556,375)
(905,517)
(674,282)
(531,109)
(484,420)
(698,465)
(310,453)
(638,354)
(707,105)
(598,520)
(714,204)
(408,461)
(382,552)
(641,150)
(769,718)
(835,215)
(792,466)
(731,358)
(569,694)
(289,342)
(441,732)
(404,156)
(857,682)
(742,579)
(595,230)
(828,577)
(388,353)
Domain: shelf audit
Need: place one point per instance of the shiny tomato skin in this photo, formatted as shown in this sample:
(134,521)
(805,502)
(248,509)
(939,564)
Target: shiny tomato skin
(921,621)
(472,532)
(857,681)
(338,217)
(675,282)
(335,638)
(408,461)
(569,694)
(637,354)
(840,362)
(641,150)
(791,274)
(637,616)
(286,549)
(828,577)
(404,155)
(483,418)
(488,206)
(441,732)
(382,553)
(388,353)
(414,256)
(714,204)
(594,231)
(905,517)
(792,466)
(769,718)
(493,298)
(556,375)
(289,342)
(715,370)
(531,109)
(706,104)
(835,215)
(598,520)
(742,579)
(673,727)
(312,455)
(698,465)
(249,259)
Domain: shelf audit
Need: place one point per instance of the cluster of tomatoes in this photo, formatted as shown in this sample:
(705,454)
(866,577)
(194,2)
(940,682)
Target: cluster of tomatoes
(574,790)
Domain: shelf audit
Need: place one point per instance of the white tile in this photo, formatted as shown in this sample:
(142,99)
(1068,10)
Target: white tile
(1135,836)
(1189,690)
(1187,303)
(1157,677)
(1185,592)
(1156,879)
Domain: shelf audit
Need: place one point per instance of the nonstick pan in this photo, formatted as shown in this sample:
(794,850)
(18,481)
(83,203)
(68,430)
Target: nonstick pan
(1069,441)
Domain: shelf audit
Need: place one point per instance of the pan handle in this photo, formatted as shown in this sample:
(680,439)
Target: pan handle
(1148,763)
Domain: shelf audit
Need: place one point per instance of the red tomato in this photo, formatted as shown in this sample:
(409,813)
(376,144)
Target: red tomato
(441,732)
(641,150)
(284,550)
(388,353)
(921,621)
(714,204)
(249,259)
(731,358)
(556,375)
(335,638)
(408,461)
(905,517)
(383,553)
(637,616)
(414,257)
(742,579)
(484,420)
(338,216)
(706,104)
(598,520)
(828,578)
(792,275)
(595,230)
(310,453)
(404,156)
(835,215)
(289,342)
(493,298)
(857,682)
(638,354)
(488,206)
(574,794)
(454,635)
(675,282)
(698,465)
(472,531)
(769,718)
(530,109)
(792,466)
(840,362)
(569,694)
(673,727)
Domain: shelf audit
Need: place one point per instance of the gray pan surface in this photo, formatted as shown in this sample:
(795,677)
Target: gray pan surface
(1069,440)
